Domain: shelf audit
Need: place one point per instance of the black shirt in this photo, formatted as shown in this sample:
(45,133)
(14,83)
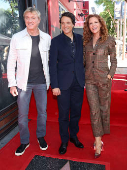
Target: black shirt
(36,73)
(72,44)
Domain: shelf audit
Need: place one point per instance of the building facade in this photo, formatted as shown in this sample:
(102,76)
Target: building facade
(56,7)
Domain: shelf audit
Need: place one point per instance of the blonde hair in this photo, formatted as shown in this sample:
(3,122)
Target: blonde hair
(32,9)
(87,34)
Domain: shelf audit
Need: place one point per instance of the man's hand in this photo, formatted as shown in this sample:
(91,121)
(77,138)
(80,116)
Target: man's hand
(56,91)
(13,91)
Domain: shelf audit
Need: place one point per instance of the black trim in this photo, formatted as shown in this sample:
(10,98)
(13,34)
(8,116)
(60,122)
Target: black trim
(8,119)
(2,135)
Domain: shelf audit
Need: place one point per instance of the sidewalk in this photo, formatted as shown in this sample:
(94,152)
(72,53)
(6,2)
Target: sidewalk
(121,66)
(8,137)
(121,63)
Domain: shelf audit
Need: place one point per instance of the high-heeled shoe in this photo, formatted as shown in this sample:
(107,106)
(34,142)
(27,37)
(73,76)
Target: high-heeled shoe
(94,146)
(98,154)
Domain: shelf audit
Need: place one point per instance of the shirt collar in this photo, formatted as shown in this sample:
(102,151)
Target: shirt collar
(25,33)
(98,39)
(68,38)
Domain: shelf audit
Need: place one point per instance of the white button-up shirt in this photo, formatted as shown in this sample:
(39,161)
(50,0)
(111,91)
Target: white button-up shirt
(19,58)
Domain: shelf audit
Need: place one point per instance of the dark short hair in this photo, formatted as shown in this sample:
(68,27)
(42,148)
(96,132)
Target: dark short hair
(70,15)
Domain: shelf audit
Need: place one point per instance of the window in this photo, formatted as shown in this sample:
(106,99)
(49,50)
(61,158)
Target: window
(62,9)
(9,25)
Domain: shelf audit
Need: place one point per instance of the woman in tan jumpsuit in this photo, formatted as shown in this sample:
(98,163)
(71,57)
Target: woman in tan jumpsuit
(97,46)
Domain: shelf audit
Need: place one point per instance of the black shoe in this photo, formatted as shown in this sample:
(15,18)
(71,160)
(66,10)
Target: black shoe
(42,143)
(125,89)
(76,142)
(63,148)
(21,149)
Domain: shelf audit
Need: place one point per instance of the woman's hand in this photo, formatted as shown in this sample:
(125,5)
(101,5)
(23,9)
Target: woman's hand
(109,76)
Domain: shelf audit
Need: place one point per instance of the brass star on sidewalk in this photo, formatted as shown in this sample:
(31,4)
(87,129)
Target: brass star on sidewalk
(66,166)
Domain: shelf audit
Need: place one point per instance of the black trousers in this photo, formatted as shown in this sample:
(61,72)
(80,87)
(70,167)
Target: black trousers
(70,104)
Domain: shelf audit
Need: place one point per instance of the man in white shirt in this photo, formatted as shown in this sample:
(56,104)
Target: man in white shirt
(28,55)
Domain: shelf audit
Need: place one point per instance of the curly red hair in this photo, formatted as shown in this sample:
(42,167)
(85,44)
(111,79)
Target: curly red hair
(87,34)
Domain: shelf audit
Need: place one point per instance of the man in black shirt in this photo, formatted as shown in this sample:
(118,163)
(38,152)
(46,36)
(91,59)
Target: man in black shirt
(29,50)
(67,79)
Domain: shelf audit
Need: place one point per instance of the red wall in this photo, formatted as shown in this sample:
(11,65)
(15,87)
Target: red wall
(53,15)
(86,7)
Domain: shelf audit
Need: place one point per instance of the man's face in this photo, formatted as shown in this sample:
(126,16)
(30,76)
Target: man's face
(66,25)
(31,20)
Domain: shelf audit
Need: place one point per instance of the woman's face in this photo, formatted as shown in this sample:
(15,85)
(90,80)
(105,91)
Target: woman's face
(94,25)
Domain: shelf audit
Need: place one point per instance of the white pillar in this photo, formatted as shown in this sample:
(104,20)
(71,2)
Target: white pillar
(117,45)
(124,32)
(121,28)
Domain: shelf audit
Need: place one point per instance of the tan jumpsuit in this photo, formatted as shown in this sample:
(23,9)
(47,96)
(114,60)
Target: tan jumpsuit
(98,86)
